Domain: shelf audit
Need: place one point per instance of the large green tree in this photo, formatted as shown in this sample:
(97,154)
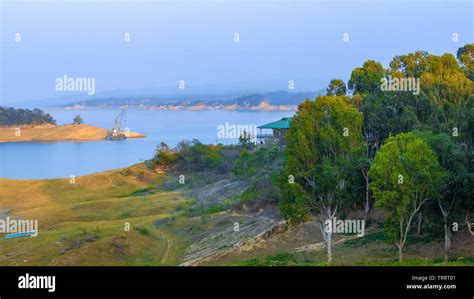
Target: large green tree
(456,187)
(465,56)
(324,137)
(336,87)
(405,174)
(410,65)
(366,79)
(450,94)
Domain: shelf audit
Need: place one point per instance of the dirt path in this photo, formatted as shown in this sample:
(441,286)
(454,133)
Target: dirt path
(168,248)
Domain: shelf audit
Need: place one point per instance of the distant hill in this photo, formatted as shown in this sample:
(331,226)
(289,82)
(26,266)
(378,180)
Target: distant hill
(278,100)
(171,93)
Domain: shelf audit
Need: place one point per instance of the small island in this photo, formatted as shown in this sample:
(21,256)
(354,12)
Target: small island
(23,125)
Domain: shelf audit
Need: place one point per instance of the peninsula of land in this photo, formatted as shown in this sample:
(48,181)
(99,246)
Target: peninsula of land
(51,132)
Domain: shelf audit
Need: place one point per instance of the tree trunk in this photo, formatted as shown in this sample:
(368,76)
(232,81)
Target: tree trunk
(367,196)
(327,235)
(367,201)
(420,223)
(400,252)
(329,247)
(446,242)
(447,238)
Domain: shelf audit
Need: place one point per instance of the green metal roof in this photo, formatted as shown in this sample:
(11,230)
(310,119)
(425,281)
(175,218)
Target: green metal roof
(283,123)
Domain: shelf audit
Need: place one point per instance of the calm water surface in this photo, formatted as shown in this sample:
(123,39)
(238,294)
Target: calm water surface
(39,160)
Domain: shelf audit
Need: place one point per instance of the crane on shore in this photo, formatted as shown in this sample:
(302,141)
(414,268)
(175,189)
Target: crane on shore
(116,133)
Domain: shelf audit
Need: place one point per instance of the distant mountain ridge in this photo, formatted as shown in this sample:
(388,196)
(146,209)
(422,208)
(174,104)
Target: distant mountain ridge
(277,100)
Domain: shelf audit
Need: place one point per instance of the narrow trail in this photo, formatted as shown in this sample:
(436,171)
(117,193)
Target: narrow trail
(168,248)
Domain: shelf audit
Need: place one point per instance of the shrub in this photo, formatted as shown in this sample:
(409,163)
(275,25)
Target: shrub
(77,120)
(164,155)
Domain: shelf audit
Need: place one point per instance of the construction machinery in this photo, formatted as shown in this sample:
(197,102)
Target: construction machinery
(116,133)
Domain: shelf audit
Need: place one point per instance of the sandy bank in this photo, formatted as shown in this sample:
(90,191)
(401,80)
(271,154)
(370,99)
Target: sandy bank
(56,133)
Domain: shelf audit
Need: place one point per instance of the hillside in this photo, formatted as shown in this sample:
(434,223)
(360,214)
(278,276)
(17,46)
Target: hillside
(85,224)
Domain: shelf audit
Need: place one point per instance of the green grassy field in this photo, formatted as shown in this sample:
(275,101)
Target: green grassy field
(86,223)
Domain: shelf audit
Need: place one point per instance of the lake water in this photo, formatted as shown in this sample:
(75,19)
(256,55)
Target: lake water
(39,160)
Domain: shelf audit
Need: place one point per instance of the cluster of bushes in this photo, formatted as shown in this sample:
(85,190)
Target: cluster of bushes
(243,160)
(15,117)
(191,155)
(262,160)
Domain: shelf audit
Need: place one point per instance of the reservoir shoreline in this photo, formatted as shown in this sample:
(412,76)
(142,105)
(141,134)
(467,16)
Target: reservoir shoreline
(70,154)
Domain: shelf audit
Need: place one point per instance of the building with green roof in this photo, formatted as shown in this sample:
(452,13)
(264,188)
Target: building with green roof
(274,132)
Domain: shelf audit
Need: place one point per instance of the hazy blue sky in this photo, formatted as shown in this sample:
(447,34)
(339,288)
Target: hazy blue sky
(194,41)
